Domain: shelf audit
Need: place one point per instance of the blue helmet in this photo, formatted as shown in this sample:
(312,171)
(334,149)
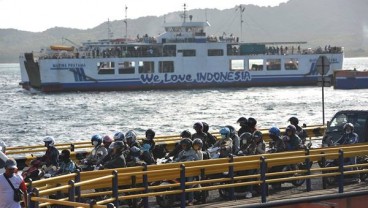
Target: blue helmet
(97,138)
(119,136)
(225,131)
(274,131)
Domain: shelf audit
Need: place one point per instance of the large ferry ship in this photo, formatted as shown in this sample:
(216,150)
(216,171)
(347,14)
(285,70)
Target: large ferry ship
(184,56)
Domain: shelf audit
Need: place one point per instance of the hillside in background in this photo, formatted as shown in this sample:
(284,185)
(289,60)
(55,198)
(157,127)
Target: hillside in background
(319,22)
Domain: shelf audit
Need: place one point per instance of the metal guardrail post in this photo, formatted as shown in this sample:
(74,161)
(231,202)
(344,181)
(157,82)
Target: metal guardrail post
(323,164)
(308,166)
(72,147)
(145,185)
(134,185)
(59,194)
(115,187)
(231,175)
(92,203)
(78,188)
(341,170)
(33,204)
(264,185)
(71,191)
(182,185)
(204,193)
(110,205)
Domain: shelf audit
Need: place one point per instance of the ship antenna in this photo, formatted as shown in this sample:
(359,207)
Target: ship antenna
(109,32)
(185,13)
(126,23)
(241,10)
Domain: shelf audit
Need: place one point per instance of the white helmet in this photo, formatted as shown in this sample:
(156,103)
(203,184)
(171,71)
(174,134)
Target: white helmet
(49,140)
(2,146)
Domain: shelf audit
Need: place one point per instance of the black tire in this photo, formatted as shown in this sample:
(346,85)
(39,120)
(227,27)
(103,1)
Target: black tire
(224,193)
(165,201)
(300,182)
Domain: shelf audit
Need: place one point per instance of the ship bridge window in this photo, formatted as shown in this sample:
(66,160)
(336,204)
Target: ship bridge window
(189,53)
(146,67)
(166,66)
(127,67)
(255,64)
(273,64)
(106,67)
(237,65)
(291,64)
(215,52)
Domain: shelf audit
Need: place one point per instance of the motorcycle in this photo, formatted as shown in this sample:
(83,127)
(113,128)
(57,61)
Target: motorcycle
(168,201)
(285,168)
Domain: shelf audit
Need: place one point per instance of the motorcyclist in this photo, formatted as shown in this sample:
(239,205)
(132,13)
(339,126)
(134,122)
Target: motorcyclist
(246,139)
(133,158)
(117,157)
(276,144)
(148,144)
(211,139)
(252,122)
(299,130)
(118,136)
(197,146)
(198,127)
(225,143)
(175,152)
(107,140)
(235,138)
(349,136)
(66,164)
(188,154)
(260,147)
(291,139)
(243,123)
(51,156)
(98,152)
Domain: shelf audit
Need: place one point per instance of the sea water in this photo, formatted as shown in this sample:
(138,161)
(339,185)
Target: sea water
(25,118)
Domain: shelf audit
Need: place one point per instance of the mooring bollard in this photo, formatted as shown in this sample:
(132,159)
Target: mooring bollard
(78,188)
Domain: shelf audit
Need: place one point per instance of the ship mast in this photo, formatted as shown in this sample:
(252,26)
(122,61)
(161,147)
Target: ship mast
(109,32)
(184,15)
(241,10)
(126,23)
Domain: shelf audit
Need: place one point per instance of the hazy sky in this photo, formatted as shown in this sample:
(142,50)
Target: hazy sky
(39,15)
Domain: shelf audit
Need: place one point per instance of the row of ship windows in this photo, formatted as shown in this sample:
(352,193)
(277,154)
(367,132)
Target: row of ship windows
(144,67)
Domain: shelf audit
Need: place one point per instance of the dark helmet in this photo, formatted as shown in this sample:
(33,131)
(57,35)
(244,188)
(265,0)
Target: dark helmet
(187,142)
(96,138)
(232,130)
(198,125)
(242,121)
(274,131)
(252,122)
(291,128)
(150,133)
(348,125)
(119,136)
(294,120)
(185,134)
(206,127)
(65,154)
(118,145)
(198,142)
(257,135)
